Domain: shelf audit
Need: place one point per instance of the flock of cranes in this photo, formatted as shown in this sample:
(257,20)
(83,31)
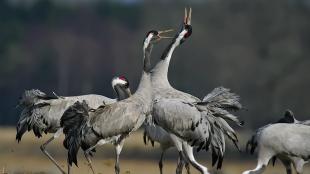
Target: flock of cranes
(170,117)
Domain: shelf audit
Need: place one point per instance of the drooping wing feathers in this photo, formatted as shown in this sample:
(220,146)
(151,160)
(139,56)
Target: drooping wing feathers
(219,102)
(31,97)
(31,111)
(73,121)
(41,113)
(222,97)
(201,124)
(32,118)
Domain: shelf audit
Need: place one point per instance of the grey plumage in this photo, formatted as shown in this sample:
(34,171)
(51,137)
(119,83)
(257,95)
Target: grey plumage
(288,144)
(197,123)
(41,113)
(114,122)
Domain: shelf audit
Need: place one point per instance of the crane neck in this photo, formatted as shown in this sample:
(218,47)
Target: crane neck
(144,90)
(160,71)
(147,50)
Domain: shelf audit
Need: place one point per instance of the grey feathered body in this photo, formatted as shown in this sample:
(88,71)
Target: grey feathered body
(190,118)
(287,139)
(123,117)
(43,115)
(177,112)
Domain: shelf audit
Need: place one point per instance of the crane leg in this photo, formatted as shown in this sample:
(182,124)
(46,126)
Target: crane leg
(118,150)
(298,164)
(264,155)
(287,165)
(178,144)
(43,149)
(69,167)
(86,154)
(160,163)
(180,163)
(188,153)
(187,167)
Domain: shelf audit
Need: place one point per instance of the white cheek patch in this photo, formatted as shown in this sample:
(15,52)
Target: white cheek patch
(147,41)
(118,81)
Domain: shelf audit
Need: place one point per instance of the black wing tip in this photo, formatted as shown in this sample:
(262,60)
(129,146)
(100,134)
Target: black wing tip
(18,138)
(220,162)
(144,138)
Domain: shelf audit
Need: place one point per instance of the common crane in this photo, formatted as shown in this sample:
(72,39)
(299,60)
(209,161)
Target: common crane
(189,121)
(111,123)
(261,141)
(42,113)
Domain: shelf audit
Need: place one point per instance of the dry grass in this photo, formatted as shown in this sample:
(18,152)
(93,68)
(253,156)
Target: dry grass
(136,158)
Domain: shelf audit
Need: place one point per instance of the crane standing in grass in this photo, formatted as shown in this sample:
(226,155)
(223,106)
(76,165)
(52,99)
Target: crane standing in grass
(42,113)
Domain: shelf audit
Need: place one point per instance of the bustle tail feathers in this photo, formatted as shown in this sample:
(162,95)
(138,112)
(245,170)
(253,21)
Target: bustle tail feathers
(220,102)
(29,102)
(73,122)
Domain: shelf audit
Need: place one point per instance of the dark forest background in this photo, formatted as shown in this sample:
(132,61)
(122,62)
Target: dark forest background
(258,48)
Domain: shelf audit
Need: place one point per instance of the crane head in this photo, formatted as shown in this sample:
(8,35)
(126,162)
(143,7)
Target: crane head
(154,36)
(186,30)
(120,85)
(120,80)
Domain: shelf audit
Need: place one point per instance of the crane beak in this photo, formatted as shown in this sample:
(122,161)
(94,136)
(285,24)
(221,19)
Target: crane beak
(188,16)
(160,36)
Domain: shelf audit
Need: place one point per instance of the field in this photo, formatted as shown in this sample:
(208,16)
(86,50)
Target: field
(136,158)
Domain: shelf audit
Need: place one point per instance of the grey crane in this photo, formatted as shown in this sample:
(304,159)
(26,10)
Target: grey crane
(42,113)
(257,140)
(111,123)
(192,122)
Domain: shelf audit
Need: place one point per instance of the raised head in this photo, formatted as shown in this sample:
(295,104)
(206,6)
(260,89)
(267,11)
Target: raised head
(152,37)
(186,29)
(180,37)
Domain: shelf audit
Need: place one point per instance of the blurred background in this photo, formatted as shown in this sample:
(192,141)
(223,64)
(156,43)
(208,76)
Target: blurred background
(259,49)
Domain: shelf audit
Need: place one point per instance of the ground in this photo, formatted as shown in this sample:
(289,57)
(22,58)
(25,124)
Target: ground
(136,158)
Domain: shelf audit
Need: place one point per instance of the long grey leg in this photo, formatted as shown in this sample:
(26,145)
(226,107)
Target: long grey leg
(298,164)
(263,158)
(180,163)
(188,152)
(178,144)
(89,161)
(43,149)
(287,165)
(69,167)
(160,163)
(87,152)
(187,166)
(118,150)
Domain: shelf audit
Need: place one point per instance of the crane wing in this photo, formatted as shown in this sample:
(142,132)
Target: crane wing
(117,118)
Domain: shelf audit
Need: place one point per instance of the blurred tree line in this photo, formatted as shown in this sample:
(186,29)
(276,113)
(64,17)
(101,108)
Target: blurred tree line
(259,49)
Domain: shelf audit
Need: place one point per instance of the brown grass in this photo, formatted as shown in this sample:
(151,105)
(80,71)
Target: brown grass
(136,158)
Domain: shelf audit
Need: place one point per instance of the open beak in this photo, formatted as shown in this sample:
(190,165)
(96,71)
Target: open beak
(160,36)
(188,17)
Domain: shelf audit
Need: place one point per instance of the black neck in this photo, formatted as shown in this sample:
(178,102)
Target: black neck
(147,58)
